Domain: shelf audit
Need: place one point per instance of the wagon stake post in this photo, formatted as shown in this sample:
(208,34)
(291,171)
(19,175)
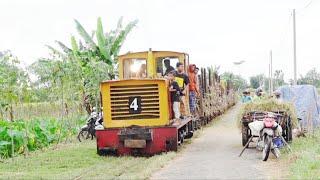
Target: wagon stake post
(245,147)
(285,142)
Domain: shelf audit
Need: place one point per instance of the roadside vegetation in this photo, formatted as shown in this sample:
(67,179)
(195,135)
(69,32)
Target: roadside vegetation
(304,160)
(21,137)
(46,102)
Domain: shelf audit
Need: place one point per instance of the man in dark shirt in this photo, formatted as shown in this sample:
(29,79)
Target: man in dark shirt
(175,94)
(183,81)
(169,68)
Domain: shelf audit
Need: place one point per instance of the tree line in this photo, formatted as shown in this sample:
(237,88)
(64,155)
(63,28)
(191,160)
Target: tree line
(69,76)
(312,77)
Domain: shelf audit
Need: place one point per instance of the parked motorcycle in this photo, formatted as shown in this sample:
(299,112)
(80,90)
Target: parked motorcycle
(270,137)
(266,128)
(94,122)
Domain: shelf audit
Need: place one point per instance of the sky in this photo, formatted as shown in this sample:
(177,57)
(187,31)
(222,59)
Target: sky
(212,32)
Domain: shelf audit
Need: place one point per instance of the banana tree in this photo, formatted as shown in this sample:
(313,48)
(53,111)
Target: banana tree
(94,56)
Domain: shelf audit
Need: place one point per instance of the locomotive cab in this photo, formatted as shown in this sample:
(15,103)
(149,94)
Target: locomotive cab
(140,97)
(137,109)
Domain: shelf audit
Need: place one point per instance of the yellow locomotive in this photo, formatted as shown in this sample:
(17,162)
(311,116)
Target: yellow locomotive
(137,109)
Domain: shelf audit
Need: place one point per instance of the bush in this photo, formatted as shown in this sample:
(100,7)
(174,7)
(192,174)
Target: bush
(31,135)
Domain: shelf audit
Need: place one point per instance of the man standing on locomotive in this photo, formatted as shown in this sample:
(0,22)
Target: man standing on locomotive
(183,81)
(169,68)
(174,94)
(193,88)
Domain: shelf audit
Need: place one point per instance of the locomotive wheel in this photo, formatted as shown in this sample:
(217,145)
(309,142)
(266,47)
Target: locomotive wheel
(99,152)
(245,134)
(180,138)
(106,152)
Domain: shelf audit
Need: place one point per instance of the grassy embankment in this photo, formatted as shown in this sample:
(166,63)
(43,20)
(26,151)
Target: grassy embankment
(79,160)
(304,161)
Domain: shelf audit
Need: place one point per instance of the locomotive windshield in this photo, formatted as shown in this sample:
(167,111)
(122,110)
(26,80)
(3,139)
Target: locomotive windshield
(134,68)
(166,64)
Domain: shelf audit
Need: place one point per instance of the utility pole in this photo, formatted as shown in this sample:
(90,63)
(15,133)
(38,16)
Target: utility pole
(271,74)
(294,48)
(269,87)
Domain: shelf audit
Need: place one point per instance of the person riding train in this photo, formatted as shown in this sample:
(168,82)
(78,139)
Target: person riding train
(183,81)
(175,93)
(168,67)
(193,88)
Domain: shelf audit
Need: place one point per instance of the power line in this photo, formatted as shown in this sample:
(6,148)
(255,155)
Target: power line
(299,11)
(305,7)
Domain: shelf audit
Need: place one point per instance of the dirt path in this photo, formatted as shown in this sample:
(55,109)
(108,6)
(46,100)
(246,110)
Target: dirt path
(214,155)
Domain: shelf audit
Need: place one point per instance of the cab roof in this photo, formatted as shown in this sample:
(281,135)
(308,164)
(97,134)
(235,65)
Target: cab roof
(145,52)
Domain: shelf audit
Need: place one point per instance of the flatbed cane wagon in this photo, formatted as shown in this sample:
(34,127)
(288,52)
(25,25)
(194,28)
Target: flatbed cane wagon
(282,118)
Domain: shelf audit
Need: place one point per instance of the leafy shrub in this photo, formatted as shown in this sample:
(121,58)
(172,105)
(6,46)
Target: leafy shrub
(31,135)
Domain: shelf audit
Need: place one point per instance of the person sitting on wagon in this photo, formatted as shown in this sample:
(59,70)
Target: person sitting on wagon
(246,97)
(174,94)
(277,95)
(258,95)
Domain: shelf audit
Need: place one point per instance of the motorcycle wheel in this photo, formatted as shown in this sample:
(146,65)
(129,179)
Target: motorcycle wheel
(83,135)
(267,147)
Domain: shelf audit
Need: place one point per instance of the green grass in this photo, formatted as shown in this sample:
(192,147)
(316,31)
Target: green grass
(304,161)
(80,161)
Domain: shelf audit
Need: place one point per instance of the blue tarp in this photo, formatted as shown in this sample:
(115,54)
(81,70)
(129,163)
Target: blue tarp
(306,101)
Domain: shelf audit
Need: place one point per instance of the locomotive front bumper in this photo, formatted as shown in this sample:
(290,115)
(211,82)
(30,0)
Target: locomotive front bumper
(146,141)
(135,137)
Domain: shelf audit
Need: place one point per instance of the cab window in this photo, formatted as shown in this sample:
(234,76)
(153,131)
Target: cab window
(166,64)
(134,68)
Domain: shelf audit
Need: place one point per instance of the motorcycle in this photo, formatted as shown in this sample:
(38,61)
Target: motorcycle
(270,137)
(94,122)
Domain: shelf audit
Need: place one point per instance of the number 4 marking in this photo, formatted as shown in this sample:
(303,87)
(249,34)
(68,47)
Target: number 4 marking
(134,105)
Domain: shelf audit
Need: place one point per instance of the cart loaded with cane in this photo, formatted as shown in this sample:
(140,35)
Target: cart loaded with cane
(270,122)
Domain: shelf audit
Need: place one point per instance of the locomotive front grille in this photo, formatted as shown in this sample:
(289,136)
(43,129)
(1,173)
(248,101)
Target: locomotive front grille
(147,106)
